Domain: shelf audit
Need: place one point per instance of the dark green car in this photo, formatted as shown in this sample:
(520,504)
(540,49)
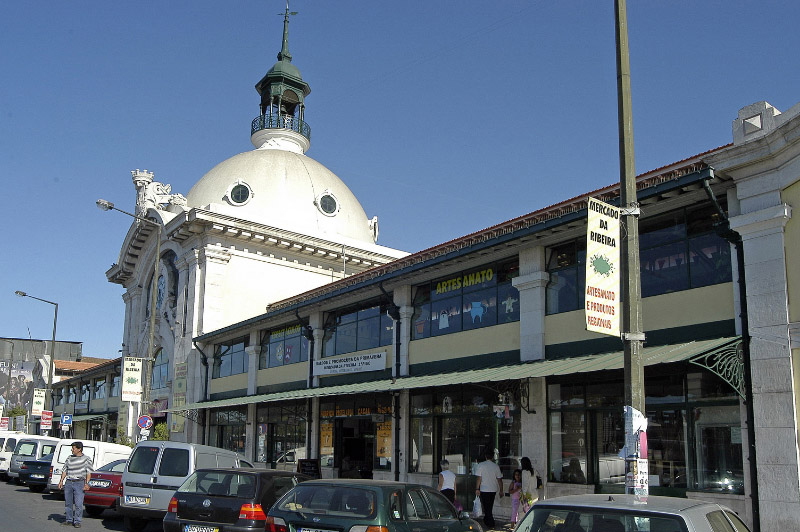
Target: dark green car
(345,505)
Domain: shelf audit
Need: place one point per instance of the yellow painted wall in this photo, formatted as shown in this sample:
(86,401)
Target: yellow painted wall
(688,307)
(224,384)
(494,339)
(281,374)
(791,196)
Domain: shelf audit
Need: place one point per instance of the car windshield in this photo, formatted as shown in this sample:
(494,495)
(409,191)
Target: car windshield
(338,500)
(221,484)
(564,519)
(25,448)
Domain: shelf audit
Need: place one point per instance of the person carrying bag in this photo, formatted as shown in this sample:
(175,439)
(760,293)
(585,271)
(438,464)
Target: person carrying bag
(530,481)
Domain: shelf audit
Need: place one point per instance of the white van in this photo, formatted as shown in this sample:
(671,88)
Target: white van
(102,453)
(156,469)
(8,442)
(30,447)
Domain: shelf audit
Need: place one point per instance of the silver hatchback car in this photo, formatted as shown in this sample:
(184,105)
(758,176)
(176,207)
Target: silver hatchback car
(619,513)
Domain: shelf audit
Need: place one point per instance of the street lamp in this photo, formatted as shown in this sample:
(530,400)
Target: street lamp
(49,394)
(108,206)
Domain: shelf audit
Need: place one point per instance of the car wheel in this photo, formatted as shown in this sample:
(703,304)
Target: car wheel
(135,524)
(36,488)
(94,511)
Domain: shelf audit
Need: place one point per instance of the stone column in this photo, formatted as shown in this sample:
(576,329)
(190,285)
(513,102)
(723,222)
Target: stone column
(532,283)
(772,366)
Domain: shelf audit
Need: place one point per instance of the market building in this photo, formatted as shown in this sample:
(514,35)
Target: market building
(380,364)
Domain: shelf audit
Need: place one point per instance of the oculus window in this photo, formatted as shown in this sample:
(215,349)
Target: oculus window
(327,203)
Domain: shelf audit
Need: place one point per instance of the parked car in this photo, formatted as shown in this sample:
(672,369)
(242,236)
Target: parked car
(619,513)
(101,452)
(31,447)
(35,473)
(156,469)
(8,442)
(105,488)
(227,499)
(386,506)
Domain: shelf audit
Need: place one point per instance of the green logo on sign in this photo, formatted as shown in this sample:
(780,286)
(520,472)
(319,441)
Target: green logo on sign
(601,265)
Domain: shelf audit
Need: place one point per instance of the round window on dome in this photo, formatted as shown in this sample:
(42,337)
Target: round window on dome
(327,204)
(240,194)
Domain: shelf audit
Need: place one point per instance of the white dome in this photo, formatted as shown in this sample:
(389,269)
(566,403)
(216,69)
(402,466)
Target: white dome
(283,189)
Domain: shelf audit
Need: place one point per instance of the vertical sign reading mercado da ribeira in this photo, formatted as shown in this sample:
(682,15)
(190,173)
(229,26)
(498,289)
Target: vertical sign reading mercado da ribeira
(602,268)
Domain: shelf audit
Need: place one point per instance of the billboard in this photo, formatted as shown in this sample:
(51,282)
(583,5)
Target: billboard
(16,389)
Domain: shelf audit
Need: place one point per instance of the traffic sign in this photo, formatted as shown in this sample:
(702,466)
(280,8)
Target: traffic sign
(145,422)
(66,420)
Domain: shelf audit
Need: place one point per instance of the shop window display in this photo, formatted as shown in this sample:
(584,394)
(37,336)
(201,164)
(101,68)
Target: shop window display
(283,346)
(228,428)
(472,299)
(281,433)
(701,451)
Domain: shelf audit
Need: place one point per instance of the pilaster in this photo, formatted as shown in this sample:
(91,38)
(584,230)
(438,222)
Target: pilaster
(532,285)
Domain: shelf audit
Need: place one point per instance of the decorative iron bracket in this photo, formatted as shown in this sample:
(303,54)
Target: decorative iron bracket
(726,362)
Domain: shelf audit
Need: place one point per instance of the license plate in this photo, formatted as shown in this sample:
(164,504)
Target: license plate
(98,483)
(133,499)
(199,528)
(37,476)
(312,530)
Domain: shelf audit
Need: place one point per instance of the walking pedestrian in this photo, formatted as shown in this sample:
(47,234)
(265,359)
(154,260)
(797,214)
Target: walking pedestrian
(74,480)
(447,481)
(490,482)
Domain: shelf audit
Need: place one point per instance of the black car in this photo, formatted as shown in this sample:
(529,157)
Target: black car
(227,499)
(36,473)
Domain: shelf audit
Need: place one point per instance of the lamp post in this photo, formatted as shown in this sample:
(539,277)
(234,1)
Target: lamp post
(49,394)
(10,363)
(108,206)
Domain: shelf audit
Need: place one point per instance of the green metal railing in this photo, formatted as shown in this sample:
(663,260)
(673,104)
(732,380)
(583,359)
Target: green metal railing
(280,122)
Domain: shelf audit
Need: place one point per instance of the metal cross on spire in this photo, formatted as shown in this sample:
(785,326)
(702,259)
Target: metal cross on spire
(284,53)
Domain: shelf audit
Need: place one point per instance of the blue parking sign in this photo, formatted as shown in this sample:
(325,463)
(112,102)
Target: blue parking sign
(66,419)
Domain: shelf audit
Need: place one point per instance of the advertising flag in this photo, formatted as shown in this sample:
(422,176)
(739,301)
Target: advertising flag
(602,268)
(38,401)
(132,380)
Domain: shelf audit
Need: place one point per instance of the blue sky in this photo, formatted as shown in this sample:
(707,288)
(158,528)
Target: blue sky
(443,117)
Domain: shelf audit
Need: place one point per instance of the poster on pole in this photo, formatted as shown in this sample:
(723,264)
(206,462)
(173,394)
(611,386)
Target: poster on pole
(38,401)
(47,420)
(4,423)
(132,380)
(602,268)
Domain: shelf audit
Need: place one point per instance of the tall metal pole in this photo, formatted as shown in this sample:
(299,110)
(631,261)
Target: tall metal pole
(632,333)
(148,366)
(49,392)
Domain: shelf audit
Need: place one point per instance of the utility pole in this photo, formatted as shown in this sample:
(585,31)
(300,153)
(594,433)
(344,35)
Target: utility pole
(632,333)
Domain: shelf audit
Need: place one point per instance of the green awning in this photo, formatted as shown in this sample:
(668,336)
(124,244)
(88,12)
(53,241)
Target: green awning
(87,417)
(651,356)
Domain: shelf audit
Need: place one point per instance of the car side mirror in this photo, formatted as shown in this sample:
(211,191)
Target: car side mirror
(464,515)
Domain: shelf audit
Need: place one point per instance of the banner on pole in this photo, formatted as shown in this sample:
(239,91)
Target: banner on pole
(47,420)
(38,401)
(132,380)
(602,268)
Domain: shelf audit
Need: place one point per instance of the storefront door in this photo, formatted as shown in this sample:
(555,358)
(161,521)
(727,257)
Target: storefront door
(354,446)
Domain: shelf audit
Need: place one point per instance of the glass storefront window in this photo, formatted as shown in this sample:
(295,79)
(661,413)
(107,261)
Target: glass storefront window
(666,447)
(228,429)
(678,250)
(367,327)
(565,394)
(472,299)
(610,440)
(707,386)
(422,445)
(230,358)
(568,447)
(719,449)
(281,433)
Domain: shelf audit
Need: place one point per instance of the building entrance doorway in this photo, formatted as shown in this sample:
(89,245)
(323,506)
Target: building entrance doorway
(354,444)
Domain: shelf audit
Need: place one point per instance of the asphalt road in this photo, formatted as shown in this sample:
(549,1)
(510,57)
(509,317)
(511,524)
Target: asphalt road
(21,510)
